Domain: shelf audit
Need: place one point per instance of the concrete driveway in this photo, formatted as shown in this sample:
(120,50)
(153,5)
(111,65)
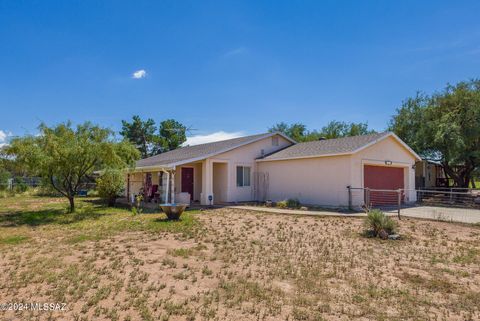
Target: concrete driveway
(437,213)
(463,215)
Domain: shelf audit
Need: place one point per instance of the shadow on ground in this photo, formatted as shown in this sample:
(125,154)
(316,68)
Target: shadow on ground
(47,216)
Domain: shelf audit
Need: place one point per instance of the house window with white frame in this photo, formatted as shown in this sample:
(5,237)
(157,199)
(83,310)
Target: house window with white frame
(243,176)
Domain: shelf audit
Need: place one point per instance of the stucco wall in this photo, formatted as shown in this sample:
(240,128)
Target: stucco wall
(320,181)
(220,182)
(324,180)
(245,156)
(242,156)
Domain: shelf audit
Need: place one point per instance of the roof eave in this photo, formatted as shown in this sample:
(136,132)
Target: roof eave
(140,169)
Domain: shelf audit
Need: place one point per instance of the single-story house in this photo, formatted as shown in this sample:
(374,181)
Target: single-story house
(272,166)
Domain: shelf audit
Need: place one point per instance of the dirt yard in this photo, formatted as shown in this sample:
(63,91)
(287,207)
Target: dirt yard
(226,264)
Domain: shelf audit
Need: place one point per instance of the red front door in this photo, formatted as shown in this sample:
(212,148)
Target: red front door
(187,181)
(384,178)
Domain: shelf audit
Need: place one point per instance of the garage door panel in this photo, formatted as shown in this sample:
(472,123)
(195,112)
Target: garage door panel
(386,178)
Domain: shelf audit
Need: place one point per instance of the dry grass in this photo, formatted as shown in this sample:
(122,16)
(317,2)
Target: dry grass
(231,265)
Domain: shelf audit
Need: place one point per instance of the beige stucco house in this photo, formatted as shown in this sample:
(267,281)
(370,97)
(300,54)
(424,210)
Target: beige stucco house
(273,167)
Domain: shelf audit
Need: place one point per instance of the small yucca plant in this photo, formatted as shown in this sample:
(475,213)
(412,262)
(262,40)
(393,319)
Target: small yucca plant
(377,221)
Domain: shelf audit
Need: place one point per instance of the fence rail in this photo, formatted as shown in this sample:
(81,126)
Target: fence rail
(463,203)
(23,183)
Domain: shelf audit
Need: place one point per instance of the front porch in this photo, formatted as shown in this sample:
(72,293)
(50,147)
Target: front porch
(203,182)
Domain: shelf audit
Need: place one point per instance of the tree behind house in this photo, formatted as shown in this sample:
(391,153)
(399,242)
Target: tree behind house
(171,135)
(334,129)
(444,127)
(140,133)
(66,156)
(143,134)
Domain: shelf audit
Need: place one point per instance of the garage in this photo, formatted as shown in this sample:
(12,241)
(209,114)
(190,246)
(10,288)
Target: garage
(383,178)
(334,172)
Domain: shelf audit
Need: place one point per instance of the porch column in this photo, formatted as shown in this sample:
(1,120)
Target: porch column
(172,188)
(167,189)
(411,194)
(207,182)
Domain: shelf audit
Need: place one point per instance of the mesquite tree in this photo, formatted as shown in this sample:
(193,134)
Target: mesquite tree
(66,156)
(445,127)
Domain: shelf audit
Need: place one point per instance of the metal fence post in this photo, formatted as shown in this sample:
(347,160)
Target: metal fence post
(349,197)
(399,192)
(367,198)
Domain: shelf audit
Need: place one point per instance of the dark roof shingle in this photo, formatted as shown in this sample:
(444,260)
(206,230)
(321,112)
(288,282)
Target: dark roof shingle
(326,147)
(187,153)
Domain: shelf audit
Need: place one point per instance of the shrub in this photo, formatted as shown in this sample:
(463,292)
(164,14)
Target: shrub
(4,177)
(293,203)
(19,185)
(137,207)
(110,185)
(377,221)
(282,204)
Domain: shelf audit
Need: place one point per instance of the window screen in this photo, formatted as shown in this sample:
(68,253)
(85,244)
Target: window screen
(243,176)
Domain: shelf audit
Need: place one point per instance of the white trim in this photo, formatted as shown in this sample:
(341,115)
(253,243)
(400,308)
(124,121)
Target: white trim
(243,166)
(150,168)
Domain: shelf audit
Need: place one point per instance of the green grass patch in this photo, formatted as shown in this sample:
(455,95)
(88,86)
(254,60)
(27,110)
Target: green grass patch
(91,221)
(13,240)
(468,256)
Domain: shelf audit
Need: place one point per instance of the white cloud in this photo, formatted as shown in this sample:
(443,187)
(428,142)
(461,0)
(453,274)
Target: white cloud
(235,52)
(213,137)
(139,74)
(3,137)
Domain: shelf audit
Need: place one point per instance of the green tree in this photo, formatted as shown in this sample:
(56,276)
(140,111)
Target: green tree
(296,131)
(334,129)
(171,135)
(444,127)
(142,134)
(111,184)
(338,129)
(66,156)
(4,177)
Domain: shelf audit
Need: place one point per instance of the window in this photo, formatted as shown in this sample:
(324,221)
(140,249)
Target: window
(243,176)
(275,141)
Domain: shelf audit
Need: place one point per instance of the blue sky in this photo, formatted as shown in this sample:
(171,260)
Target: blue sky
(232,66)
